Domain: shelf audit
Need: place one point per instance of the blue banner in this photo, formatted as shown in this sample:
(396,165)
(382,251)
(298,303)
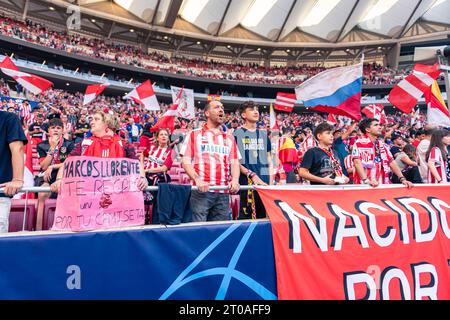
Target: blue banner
(215,261)
(33,104)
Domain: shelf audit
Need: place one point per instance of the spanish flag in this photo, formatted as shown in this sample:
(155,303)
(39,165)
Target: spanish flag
(437,111)
(287,151)
(213,97)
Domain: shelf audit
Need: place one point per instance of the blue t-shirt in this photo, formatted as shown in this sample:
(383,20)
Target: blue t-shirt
(253,147)
(134,128)
(10,131)
(341,150)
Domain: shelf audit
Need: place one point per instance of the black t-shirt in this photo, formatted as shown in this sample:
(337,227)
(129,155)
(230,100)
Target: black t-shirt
(318,163)
(10,131)
(66,148)
(395,150)
(35,126)
(82,126)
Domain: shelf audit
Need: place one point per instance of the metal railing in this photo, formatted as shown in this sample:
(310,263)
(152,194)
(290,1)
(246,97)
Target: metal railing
(298,187)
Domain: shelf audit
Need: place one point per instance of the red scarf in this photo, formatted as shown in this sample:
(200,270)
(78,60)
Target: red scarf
(105,147)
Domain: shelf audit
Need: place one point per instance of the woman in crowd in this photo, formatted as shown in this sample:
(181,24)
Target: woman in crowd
(437,156)
(104,143)
(157,161)
(405,161)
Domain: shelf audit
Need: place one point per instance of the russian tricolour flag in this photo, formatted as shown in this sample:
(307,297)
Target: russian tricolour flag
(336,91)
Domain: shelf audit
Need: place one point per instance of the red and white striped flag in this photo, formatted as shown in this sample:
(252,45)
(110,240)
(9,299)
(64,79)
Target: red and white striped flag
(93,91)
(168,118)
(144,94)
(332,119)
(29,81)
(285,101)
(273,119)
(375,111)
(28,178)
(407,92)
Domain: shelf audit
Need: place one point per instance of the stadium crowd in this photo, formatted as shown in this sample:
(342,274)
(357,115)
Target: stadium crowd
(245,150)
(130,55)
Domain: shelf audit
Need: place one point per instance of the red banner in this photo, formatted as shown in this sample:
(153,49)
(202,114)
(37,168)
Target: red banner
(383,243)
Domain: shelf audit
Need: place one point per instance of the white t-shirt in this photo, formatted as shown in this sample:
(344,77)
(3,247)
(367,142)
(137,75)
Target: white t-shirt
(421,159)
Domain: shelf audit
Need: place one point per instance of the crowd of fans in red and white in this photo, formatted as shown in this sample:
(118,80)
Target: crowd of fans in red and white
(130,55)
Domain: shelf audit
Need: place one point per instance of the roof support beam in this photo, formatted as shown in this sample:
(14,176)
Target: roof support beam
(409,19)
(25,9)
(347,20)
(113,24)
(286,19)
(172,13)
(223,18)
(155,13)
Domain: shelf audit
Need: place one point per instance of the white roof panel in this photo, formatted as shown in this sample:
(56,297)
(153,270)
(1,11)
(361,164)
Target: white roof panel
(439,12)
(387,17)
(269,23)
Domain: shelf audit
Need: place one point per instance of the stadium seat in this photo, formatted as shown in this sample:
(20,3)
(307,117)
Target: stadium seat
(17,212)
(49,214)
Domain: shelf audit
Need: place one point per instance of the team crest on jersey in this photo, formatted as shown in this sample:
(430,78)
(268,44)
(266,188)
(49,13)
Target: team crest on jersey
(63,149)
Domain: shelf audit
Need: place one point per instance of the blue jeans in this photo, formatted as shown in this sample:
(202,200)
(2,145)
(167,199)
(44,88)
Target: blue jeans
(210,206)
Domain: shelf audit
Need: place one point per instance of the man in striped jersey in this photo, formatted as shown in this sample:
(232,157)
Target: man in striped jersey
(371,157)
(210,157)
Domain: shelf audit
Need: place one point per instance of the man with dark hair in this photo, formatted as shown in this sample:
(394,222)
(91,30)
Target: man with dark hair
(52,153)
(12,140)
(82,128)
(37,129)
(321,165)
(372,159)
(398,142)
(210,157)
(256,162)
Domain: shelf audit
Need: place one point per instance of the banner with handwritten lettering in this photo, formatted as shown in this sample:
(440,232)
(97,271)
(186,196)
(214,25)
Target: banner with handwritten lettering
(99,193)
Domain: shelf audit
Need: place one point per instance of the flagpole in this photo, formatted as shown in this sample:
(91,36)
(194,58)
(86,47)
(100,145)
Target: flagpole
(441,61)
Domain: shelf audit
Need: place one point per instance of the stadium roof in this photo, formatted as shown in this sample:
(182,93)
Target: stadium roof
(271,25)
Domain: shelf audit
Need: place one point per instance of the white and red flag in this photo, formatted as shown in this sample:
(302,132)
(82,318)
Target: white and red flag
(375,111)
(93,91)
(31,82)
(168,118)
(285,101)
(144,95)
(407,92)
(273,120)
(332,119)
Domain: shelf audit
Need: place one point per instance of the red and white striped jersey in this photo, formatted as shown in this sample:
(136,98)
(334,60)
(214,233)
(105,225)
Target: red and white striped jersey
(348,163)
(375,164)
(211,153)
(439,163)
(156,157)
(309,143)
(25,112)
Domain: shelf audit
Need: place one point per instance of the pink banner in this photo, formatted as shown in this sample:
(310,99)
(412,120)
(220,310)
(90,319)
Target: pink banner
(99,193)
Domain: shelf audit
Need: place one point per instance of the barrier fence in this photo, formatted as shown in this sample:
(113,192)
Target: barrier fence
(28,190)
